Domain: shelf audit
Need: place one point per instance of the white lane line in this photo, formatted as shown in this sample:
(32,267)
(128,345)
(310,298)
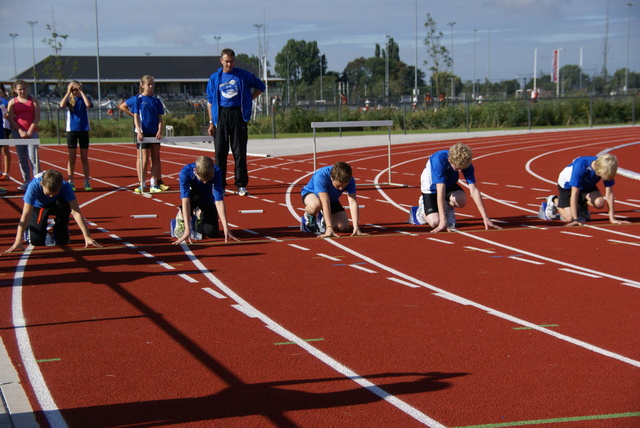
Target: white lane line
(187,278)
(165,265)
(440,240)
(214,293)
(36,379)
(623,242)
(362,268)
(482,250)
(580,273)
(328,257)
(520,259)
(147,255)
(244,307)
(576,234)
(399,281)
(513,186)
(299,247)
(547,259)
(487,309)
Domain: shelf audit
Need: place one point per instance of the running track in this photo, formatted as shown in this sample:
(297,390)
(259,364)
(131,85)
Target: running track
(535,324)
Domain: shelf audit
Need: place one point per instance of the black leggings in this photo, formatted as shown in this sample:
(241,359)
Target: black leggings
(38,223)
(209,227)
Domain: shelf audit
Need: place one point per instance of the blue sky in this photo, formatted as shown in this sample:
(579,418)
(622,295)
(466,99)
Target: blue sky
(508,31)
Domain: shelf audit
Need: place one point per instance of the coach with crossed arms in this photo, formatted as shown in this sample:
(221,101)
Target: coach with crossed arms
(230,95)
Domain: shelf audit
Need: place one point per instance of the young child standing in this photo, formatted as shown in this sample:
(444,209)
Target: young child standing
(77,104)
(147,115)
(24,116)
(322,194)
(577,190)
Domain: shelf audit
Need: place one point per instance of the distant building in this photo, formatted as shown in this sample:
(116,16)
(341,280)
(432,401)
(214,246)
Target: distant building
(176,77)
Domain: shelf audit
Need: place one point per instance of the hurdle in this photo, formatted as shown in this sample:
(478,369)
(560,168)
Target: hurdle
(169,141)
(24,142)
(355,124)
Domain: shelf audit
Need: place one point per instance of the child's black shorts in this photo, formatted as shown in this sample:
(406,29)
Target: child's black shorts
(564,196)
(430,200)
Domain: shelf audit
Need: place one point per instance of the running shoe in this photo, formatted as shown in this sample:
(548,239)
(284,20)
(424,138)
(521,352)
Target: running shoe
(551,211)
(73,187)
(4,176)
(178,230)
(3,190)
(163,187)
(155,189)
(139,190)
(419,216)
(311,224)
(23,187)
(451,216)
(242,191)
(87,186)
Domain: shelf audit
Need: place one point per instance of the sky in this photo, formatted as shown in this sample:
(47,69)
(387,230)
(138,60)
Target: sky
(494,39)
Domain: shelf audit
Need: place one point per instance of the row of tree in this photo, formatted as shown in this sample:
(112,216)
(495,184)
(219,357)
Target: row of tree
(302,66)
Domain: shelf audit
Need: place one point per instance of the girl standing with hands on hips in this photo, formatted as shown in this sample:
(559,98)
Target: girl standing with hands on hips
(77,104)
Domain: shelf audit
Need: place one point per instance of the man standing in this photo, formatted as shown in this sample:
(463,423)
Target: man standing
(230,93)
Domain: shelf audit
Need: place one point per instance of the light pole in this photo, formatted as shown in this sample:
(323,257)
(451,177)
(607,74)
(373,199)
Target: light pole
(473,94)
(98,80)
(488,60)
(33,49)
(217,43)
(558,77)
(15,70)
(626,70)
(453,93)
(321,73)
(386,71)
(258,27)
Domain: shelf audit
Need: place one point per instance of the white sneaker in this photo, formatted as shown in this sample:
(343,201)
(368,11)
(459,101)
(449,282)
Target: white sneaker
(420,218)
(451,216)
(242,191)
(551,211)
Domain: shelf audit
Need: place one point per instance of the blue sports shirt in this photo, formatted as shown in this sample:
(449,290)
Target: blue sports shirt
(439,170)
(35,193)
(149,108)
(209,191)
(321,183)
(580,174)
(78,118)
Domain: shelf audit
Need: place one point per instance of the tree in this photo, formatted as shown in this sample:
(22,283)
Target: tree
(299,62)
(437,53)
(252,60)
(54,65)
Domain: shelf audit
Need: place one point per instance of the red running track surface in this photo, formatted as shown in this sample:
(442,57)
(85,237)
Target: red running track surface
(533,324)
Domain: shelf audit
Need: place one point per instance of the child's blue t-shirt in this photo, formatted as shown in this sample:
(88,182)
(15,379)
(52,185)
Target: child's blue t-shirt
(35,193)
(439,170)
(321,183)
(148,108)
(580,174)
(210,191)
(78,117)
